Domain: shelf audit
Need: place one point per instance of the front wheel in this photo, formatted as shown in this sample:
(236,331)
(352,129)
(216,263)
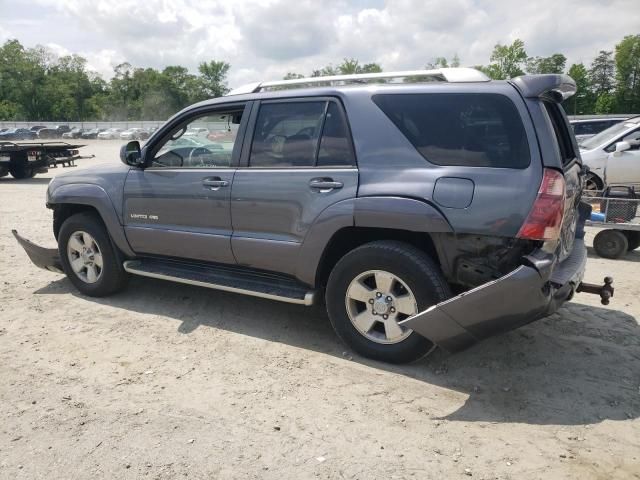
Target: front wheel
(375,287)
(88,257)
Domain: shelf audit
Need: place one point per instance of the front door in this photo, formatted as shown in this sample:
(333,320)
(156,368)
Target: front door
(623,168)
(179,206)
(299,163)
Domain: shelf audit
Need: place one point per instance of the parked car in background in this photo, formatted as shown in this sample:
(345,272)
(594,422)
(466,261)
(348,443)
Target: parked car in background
(110,134)
(92,133)
(196,132)
(55,132)
(588,127)
(36,128)
(222,136)
(75,132)
(613,156)
(135,133)
(17,134)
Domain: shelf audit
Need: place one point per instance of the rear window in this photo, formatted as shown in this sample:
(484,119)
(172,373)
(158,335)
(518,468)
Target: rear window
(466,129)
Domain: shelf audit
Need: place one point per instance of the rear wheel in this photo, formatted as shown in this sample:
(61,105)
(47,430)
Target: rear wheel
(610,244)
(375,287)
(88,257)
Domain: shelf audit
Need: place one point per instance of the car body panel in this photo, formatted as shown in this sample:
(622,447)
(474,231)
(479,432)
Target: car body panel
(171,212)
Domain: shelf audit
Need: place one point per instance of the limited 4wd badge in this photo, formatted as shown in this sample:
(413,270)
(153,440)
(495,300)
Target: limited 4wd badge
(143,216)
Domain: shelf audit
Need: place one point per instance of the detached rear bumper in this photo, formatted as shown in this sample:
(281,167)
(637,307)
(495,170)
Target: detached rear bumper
(47,258)
(533,290)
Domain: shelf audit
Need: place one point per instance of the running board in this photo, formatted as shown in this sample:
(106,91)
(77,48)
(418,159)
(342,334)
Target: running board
(226,278)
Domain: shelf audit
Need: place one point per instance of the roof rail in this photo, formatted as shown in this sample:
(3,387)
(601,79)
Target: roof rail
(439,74)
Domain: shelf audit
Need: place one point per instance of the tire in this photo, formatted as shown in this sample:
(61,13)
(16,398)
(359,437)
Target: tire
(418,283)
(20,170)
(633,239)
(592,184)
(610,244)
(106,279)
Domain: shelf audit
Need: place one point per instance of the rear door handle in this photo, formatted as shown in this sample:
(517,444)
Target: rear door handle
(325,184)
(214,183)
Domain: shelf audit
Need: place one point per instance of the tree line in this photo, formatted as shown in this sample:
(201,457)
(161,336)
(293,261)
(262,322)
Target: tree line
(36,84)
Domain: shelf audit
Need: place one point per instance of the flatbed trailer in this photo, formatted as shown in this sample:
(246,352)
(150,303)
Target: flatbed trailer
(26,159)
(617,219)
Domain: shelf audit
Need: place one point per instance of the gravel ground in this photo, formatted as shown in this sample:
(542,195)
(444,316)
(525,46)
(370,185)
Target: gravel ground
(171,381)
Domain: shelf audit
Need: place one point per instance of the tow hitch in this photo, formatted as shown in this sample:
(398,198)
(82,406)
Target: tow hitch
(605,291)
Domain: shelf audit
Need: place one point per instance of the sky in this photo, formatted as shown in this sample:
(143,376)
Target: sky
(263,40)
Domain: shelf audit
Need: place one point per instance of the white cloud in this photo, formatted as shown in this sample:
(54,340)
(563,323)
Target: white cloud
(264,39)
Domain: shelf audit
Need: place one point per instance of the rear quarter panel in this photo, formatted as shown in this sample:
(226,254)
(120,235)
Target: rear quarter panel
(389,165)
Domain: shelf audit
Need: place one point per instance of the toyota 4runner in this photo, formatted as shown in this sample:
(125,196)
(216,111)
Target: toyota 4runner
(424,208)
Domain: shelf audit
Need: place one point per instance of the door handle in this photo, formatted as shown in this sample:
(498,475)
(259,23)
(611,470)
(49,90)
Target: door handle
(214,183)
(325,184)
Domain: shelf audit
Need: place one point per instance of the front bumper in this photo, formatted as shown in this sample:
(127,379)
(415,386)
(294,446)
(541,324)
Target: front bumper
(537,288)
(47,258)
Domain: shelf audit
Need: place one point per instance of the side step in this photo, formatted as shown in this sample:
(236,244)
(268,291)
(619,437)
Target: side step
(227,278)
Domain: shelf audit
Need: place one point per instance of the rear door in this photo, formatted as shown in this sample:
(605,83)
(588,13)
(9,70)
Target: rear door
(179,205)
(297,161)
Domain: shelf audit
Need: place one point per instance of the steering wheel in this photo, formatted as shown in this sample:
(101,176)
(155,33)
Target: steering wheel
(198,152)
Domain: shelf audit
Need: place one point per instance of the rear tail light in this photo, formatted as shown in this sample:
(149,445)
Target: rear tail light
(545,218)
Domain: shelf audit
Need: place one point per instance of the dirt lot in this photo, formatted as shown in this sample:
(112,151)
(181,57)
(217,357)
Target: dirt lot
(170,381)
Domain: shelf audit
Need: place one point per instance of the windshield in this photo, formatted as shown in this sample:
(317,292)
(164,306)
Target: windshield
(605,136)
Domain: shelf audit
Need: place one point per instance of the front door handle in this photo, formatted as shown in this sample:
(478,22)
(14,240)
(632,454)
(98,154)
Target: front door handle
(325,184)
(214,183)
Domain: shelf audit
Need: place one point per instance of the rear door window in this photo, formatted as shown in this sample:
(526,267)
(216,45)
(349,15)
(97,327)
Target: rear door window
(301,134)
(466,129)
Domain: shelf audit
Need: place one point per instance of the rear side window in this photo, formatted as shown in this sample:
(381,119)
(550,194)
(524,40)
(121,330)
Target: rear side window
(561,132)
(466,129)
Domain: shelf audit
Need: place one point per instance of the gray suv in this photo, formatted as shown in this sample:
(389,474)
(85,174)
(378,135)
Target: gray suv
(424,208)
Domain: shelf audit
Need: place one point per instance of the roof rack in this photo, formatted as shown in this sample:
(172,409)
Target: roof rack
(414,76)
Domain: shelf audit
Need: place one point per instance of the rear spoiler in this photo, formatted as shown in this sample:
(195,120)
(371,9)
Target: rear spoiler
(555,87)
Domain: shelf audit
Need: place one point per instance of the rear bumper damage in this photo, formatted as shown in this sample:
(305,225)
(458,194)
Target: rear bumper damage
(537,288)
(47,258)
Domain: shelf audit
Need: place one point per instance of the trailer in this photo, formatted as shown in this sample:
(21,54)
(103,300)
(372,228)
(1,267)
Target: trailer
(26,159)
(615,214)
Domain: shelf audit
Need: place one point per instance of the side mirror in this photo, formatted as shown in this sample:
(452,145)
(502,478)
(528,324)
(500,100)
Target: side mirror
(621,147)
(130,154)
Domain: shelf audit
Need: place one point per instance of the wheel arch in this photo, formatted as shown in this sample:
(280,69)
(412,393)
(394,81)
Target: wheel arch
(349,238)
(68,200)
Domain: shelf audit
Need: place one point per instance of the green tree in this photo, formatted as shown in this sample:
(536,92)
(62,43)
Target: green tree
(292,76)
(507,61)
(553,64)
(213,78)
(582,102)
(601,73)
(627,61)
